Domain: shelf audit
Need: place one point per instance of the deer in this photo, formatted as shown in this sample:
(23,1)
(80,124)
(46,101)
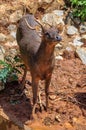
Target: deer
(36,44)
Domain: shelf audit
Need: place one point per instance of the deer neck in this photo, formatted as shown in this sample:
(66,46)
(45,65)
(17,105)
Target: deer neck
(45,52)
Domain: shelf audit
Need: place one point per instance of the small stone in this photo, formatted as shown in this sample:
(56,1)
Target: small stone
(83,29)
(70,80)
(82,54)
(2,37)
(59,46)
(52,97)
(77,42)
(71,30)
(69,48)
(2,51)
(13,34)
(59,57)
(57,118)
(12,27)
(77,21)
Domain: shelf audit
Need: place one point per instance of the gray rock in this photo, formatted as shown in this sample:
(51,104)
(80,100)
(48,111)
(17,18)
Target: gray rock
(82,54)
(71,30)
(12,27)
(77,21)
(77,42)
(2,37)
(58,12)
(83,29)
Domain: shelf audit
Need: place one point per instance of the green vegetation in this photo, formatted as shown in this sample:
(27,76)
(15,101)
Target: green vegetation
(9,69)
(79,8)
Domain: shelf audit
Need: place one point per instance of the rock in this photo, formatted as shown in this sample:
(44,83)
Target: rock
(68,18)
(83,39)
(59,57)
(52,19)
(57,118)
(82,54)
(2,37)
(12,27)
(52,97)
(77,42)
(77,21)
(58,12)
(71,30)
(13,34)
(82,28)
(14,17)
(2,51)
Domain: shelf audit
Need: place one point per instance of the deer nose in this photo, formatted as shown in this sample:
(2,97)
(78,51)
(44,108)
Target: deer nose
(58,38)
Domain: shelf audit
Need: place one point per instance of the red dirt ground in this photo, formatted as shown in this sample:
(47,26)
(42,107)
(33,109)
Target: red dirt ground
(67,99)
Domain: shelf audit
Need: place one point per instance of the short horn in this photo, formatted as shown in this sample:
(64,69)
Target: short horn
(39,23)
(33,28)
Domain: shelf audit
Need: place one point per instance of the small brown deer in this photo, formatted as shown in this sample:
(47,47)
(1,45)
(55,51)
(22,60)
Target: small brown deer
(36,44)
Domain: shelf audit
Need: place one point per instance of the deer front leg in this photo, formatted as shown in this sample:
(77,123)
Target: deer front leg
(47,83)
(35,93)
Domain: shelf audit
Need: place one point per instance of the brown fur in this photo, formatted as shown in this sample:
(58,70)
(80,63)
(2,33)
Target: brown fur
(37,52)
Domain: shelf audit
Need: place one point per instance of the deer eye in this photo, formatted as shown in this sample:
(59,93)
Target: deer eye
(47,35)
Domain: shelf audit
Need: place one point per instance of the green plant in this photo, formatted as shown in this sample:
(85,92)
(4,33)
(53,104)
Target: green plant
(9,68)
(79,8)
